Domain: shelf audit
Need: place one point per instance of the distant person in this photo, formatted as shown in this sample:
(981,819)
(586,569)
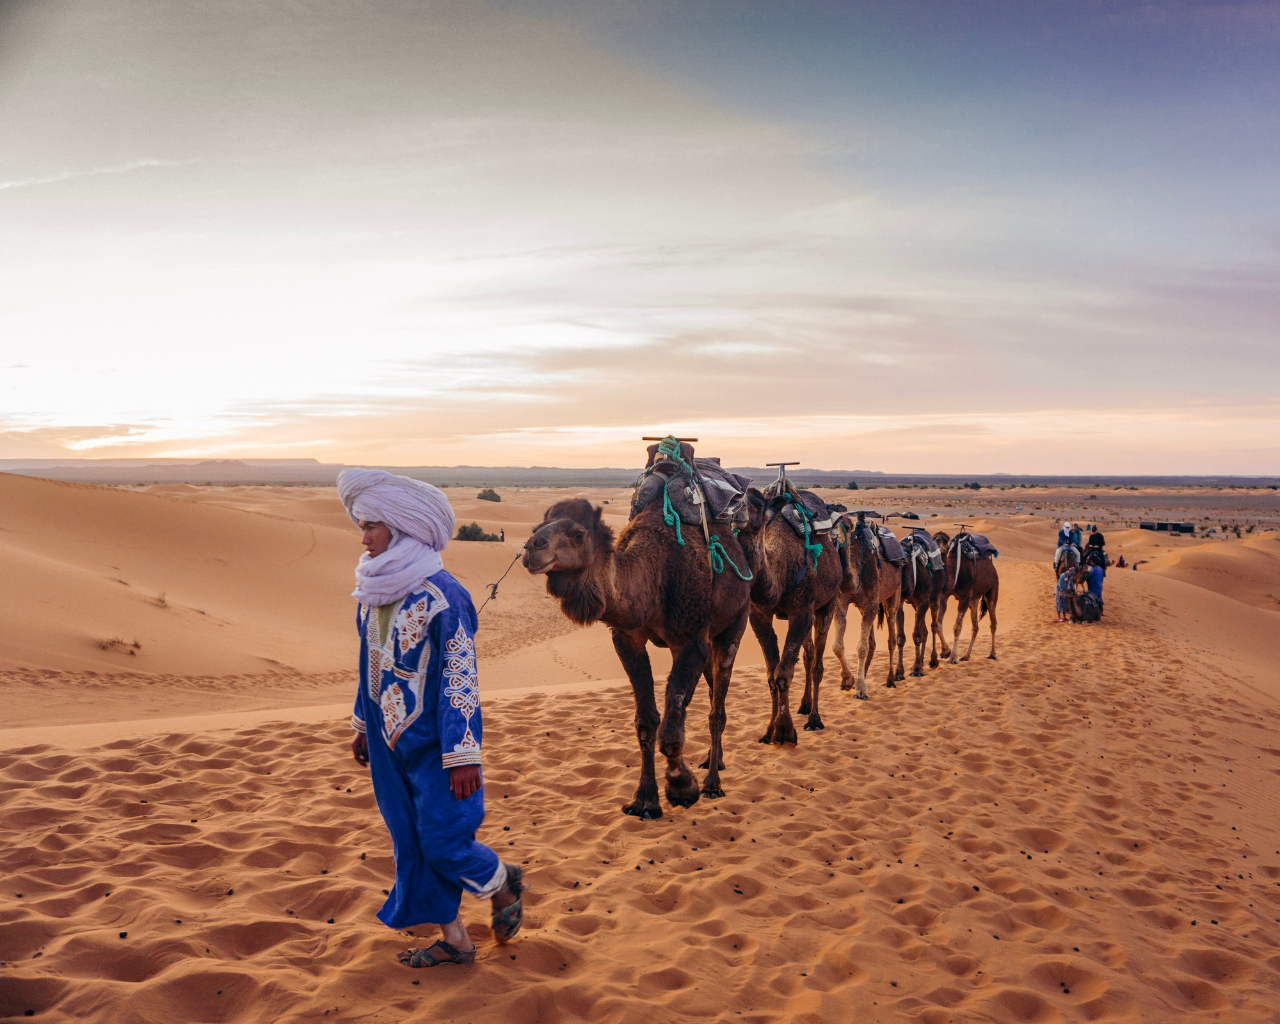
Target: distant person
(425,767)
(1120,562)
(502,535)
(1066,588)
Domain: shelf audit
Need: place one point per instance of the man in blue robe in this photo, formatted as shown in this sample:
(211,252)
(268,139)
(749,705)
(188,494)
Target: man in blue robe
(417,716)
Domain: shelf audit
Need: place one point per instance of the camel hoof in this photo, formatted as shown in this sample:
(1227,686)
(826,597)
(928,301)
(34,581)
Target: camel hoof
(787,736)
(767,737)
(992,657)
(862,696)
(804,708)
(891,685)
(965,658)
(712,792)
(846,686)
(642,811)
(917,673)
(932,664)
(813,725)
(682,799)
(706,763)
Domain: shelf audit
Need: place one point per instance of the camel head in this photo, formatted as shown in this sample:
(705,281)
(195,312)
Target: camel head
(569,539)
(943,540)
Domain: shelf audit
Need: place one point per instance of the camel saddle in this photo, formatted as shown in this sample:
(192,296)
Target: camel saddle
(690,484)
(815,510)
(920,545)
(974,546)
(890,546)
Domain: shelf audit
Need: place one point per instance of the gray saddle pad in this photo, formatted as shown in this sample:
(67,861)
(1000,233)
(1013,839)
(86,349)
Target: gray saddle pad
(975,545)
(921,540)
(725,492)
(890,546)
(820,517)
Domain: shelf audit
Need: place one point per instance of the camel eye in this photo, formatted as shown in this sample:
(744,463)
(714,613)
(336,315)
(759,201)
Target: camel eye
(576,533)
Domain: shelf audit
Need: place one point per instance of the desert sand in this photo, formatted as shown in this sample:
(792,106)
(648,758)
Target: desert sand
(1081,830)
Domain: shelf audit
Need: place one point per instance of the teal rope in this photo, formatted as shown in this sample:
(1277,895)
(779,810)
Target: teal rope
(715,548)
(669,515)
(815,550)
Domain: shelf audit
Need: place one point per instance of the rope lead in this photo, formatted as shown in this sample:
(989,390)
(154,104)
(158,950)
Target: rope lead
(716,549)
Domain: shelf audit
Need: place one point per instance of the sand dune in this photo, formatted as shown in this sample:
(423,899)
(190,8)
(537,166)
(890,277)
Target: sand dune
(1083,830)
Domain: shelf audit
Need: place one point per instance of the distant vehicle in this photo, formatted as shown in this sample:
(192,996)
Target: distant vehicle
(1017,508)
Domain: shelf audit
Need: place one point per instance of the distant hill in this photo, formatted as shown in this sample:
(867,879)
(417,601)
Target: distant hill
(309,472)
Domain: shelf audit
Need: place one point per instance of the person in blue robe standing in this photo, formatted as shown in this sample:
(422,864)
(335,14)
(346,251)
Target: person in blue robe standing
(417,716)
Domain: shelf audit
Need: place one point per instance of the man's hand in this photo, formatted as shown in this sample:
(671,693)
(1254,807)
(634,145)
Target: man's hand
(360,749)
(464,780)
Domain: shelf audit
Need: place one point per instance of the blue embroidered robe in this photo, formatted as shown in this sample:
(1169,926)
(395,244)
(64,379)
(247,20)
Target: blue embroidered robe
(419,704)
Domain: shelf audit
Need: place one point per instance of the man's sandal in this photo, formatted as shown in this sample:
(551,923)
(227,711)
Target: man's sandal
(506,922)
(424,958)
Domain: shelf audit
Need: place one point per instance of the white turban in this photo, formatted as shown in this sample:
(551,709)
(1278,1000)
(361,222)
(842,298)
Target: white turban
(421,522)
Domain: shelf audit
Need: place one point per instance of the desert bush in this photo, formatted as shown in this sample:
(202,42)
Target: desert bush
(473,531)
(489,494)
(853,485)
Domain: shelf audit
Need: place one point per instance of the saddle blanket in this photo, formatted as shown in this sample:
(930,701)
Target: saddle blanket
(890,546)
(922,541)
(977,546)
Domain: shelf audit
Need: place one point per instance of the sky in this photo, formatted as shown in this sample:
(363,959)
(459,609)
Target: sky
(899,236)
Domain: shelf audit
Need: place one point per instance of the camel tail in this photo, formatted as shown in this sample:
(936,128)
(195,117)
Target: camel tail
(982,609)
(881,619)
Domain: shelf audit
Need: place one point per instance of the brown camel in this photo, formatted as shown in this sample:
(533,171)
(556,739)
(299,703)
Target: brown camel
(874,585)
(650,588)
(975,584)
(922,589)
(788,586)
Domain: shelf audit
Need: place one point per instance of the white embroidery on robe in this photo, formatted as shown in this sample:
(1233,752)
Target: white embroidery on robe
(410,623)
(394,711)
(462,687)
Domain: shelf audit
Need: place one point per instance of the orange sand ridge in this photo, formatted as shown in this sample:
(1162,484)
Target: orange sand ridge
(1082,830)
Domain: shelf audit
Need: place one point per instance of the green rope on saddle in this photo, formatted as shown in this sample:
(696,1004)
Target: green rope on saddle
(715,548)
(815,550)
(670,447)
(669,515)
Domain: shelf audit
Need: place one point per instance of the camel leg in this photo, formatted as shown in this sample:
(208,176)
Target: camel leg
(806,702)
(798,627)
(942,627)
(762,627)
(847,675)
(991,612)
(686,667)
(962,606)
(973,632)
(920,637)
(891,619)
(866,648)
(935,624)
(707,674)
(724,650)
(902,636)
(821,626)
(634,656)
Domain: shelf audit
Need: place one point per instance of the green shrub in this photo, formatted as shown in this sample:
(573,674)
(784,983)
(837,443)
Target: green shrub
(853,485)
(489,494)
(473,531)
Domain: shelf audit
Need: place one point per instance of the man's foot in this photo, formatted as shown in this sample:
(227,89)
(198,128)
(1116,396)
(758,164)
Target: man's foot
(508,908)
(439,952)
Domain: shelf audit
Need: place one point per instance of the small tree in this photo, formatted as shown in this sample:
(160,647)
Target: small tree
(473,531)
(489,494)
(853,485)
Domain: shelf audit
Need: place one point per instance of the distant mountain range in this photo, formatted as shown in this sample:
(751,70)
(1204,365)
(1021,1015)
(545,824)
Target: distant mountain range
(299,472)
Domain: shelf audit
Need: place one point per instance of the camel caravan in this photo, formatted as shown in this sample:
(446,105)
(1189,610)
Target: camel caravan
(705,554)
